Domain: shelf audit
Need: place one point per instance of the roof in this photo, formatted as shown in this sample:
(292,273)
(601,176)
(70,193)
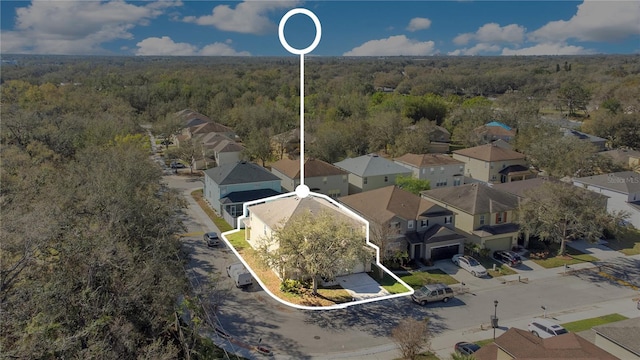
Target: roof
(490,230)
(621,155)
(582,136)
(225,146)
(278,212)
(249,195)
(474,198)
(425,160)
(625,182)
(498,124)
(438,233)
(240,173)
(496,129)
(372,165)
(381,205)
(519,188)
(522,345)
(514,169)
(312,168)
(490,152)
(210,127)
(624,333)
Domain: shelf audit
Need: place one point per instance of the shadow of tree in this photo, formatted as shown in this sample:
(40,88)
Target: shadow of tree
(619,272)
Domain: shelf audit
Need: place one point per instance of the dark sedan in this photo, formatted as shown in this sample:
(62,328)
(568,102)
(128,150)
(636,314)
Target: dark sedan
(511,258)
(466,348)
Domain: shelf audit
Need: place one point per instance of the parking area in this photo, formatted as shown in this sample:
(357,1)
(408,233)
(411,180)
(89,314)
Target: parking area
(361,286)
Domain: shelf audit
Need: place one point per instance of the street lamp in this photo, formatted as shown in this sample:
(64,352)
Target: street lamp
(495,318)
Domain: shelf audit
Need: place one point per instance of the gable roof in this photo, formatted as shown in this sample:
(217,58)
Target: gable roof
(226,145)
(382,205)
(439,233)
(496,128)
(312,168)
(498,124)
(241,172)
(582,136)
(523,345)
(210,127)
(371,165)
(278,212)
(621,155)
(490,152)
(624,333)
(474,198)
(625,182)
(425,160)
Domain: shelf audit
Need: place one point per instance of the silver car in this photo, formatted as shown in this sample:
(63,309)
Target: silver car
(470,264)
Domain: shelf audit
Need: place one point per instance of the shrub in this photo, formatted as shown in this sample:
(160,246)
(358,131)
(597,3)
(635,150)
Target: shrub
(292,286)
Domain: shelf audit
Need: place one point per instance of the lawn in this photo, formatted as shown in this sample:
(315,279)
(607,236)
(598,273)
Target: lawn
(388,283)
(220,222)
(573,257)
(418,279)
(501,269)
(586,324)
(628,242)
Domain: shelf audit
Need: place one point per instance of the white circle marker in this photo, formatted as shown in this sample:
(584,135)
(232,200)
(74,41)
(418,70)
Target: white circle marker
(284,42)
(302,191)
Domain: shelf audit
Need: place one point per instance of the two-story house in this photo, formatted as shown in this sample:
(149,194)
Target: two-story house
(228,187)
(403,222)
(495,130)
(441,170)
(484,213)
(622,190)
(320,176)
(491,163)
(369,172)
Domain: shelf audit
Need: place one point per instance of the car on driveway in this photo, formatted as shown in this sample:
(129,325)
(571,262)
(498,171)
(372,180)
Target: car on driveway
(545,328)
(177,165)
(508,257)
(466,348)
(432,292)
(212,239)
(470,264)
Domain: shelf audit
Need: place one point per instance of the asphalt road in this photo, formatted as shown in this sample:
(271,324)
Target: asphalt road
(251,316)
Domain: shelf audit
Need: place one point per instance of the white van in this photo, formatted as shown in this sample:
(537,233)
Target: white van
(545,328)
(241,277)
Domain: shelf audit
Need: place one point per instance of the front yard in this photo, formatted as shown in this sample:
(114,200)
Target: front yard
(627,242)
(415,279)
(545,255)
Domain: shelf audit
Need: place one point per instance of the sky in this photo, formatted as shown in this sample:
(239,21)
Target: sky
(348,28)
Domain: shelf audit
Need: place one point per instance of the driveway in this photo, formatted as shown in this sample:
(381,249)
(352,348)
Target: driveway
(361,286)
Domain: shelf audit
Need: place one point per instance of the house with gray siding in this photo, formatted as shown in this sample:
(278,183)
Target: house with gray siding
(228,187)
(369,172)
(320,176)
(440,169)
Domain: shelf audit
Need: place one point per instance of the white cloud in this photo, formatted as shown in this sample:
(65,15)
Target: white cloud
(476,50)
(418,24)
(165,46)
(594,21)
(549,49)
(76,27)
(248,17)
(493,33)
(393,46)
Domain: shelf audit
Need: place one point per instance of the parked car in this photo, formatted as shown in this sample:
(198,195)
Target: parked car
(545,328)
(212,239)
(508,257)
(466,348)
(177,165)
(432,292)
(470,264)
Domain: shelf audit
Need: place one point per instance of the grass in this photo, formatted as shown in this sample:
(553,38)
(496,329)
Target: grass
(418,279)
(484,342)
(586,324)
(388,283)
(220,222)
(501,269)
(573,257)
(627,242)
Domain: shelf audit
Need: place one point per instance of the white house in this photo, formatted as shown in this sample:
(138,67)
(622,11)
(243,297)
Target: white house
(440,169)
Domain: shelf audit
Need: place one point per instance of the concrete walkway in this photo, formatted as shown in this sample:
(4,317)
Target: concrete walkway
(361,286)
(598,249)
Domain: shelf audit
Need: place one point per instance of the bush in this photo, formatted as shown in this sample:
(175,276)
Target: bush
(292,286)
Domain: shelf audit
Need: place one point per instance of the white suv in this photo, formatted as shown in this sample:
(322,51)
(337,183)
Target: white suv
(545,328)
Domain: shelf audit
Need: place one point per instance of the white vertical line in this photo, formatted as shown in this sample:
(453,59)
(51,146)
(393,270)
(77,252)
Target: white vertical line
(301,119)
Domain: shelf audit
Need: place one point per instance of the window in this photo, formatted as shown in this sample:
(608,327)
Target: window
(344,178)
(410,224)
(324,180)
(334,193)
(364,181)
(386,178)
(424,170)
(456,182)
(461,168)
(424,222)
(448,219)
(504,166)
(481,219)
(441,169)
(431,169)
(501,217)
(264,229)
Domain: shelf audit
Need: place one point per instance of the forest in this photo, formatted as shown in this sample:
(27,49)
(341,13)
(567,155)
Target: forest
(90,260)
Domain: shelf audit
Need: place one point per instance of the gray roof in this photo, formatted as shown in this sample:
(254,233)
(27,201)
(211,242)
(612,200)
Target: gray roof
(372,165)
(625,182)
(625,333)
(240,173)
(582,136)
(474,198)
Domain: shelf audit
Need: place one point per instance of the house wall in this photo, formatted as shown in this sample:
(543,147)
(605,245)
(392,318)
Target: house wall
(438,147)
(613,348)
(617,202)
(443,175)
(376,182)
(486,171)
(287,183)
(503,355)
(333,186)
(232,157)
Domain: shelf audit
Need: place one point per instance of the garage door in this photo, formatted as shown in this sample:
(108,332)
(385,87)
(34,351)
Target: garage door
(499,244)
(444,252)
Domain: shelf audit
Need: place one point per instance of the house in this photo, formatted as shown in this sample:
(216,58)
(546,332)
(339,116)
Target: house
(368,172)
(598,142)
(483,213)
(627,158)
(407,222)
(495,130)
(517,344)
(491,163)
(439,140)
(265,218)
(214,149)
(622,188)
(620,338)
(440,169)
(228,187)
(321,177)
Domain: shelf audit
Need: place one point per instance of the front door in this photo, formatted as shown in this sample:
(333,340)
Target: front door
(416,251)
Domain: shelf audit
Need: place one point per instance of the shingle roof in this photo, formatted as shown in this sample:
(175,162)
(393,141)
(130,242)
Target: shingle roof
(209,128)
(228,146)
(423,160)
(490,152)
(625,182)
(381,205)
(474,198)
(312,168)
(621,155)
(372,165)
(249,195)
(522,345)
(439,233)
(625,333)
(240,173)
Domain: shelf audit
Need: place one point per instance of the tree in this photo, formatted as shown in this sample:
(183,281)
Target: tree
(185,151)
(258,145)
(411,336)
(560,212)
(574,96)
(381,235)
(412,185)
(307,246)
